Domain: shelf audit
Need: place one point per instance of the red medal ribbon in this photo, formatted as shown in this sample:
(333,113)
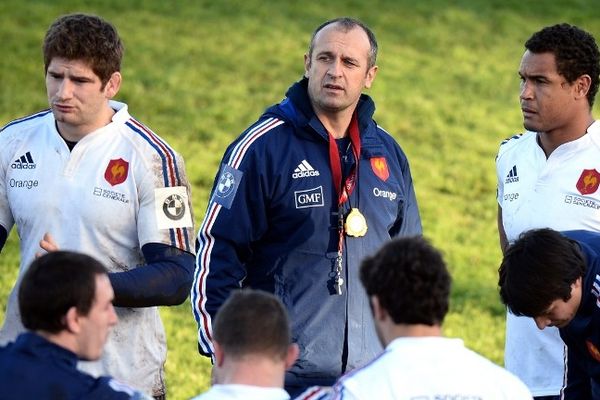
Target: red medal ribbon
(343,192)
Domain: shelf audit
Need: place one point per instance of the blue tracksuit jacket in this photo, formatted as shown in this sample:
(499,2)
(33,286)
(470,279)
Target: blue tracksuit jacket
(582,335)
(271,224)
(34,368)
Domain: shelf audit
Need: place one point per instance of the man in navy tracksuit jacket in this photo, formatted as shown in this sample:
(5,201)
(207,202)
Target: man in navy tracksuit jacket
(273,219)
(555,278)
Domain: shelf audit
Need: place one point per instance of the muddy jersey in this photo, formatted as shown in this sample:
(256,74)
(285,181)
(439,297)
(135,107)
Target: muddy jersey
(119,188)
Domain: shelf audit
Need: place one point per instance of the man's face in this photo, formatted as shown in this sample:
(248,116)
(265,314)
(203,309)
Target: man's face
(560,312)
(95,326)
(547,99)
(337,70)
(77,98)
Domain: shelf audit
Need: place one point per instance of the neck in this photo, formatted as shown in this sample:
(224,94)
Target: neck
(551,140)
(394,331)
(62,339)
(337,123)
(253,370)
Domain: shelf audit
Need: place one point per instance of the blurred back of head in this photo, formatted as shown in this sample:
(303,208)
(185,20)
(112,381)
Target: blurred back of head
(53,284)
(253,322)
(410,279)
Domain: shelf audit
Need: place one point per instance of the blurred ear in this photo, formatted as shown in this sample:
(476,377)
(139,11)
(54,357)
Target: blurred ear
(113,85)
(292,355)
(71,320)
(379,313)
(219,355)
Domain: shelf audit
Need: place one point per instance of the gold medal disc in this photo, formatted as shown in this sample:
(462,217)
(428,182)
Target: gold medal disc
(356,224)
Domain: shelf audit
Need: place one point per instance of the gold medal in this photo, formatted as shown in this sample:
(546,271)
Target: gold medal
(356,224)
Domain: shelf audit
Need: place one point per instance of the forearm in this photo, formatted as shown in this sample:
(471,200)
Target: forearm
(165,280)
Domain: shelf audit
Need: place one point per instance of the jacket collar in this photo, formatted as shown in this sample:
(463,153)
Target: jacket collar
(301,112)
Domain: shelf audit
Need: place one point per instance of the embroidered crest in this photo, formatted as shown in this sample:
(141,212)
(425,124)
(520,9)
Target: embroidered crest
(588,181)
(593,350)
(380,168)
(116,171)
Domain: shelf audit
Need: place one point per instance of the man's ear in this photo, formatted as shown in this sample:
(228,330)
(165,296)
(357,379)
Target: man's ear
(71,320)
(582,86)
(371,73)
(113,85)
(219,355)
(379,313)
(292,355)
(306,65)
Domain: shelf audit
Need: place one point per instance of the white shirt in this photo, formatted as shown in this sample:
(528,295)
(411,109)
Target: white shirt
(429,368)
(119,188)
(561,193)
(243,392)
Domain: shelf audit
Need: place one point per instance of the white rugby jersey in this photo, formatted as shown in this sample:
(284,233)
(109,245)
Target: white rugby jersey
(243,392)
(561,193)
(119,188)
(413,368)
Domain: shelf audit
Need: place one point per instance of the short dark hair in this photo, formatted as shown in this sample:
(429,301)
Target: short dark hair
(88,38)
(575,51)
(253,322)
(346,24)
(53,284)
(410,279)
(537,269)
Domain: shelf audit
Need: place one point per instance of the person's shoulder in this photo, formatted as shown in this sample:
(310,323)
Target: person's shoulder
(316,393)
(516,143)
(109,388)
(23,124)
(518,139)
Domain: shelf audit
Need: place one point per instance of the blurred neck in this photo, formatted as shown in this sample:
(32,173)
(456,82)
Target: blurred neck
(254,370)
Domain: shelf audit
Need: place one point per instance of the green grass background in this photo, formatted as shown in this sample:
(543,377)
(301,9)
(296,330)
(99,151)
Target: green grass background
(199,72)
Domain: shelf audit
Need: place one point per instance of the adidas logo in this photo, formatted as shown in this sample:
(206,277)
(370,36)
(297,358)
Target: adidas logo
(23,162)
(512,175)
(303,170)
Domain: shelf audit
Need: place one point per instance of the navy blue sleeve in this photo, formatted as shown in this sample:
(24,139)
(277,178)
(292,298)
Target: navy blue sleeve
(3,236)
(408,221)
(165,280)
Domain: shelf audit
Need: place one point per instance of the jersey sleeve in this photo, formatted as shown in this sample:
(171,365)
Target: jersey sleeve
(235,218)
(165,208)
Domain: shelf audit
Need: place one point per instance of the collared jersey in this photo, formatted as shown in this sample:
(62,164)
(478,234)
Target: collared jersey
(272,224)
(430,368)
(560,192)
(119,188)
(34,368)
(243,392)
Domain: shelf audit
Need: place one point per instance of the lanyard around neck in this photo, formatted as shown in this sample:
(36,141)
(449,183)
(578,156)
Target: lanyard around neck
(344,191)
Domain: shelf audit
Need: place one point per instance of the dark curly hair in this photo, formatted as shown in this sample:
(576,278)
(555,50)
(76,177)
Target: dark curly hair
(410,279)
(537,269)
(575,50)
(88,38)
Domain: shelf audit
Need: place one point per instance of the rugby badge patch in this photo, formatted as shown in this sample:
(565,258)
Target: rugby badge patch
(227,186)
(588,181)
(380,168)
(116,171)
(172,208)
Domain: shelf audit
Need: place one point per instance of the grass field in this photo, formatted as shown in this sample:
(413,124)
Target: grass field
(198,72)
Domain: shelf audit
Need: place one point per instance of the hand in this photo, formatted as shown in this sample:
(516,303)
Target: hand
(47,243)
